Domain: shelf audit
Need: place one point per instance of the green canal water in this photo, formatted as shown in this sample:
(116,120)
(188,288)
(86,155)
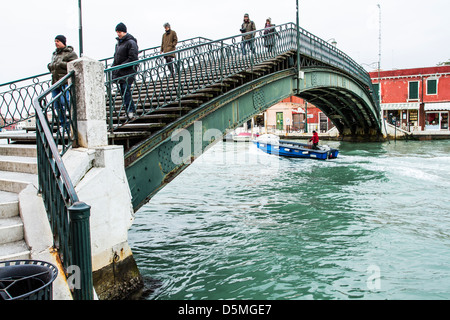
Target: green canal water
(241,224)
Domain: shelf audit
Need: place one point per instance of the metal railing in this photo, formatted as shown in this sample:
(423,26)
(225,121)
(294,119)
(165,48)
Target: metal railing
(69,218)
(155,84)
(16,97)
(209,61)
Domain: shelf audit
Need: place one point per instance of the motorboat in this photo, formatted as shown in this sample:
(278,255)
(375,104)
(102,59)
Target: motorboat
(272,144)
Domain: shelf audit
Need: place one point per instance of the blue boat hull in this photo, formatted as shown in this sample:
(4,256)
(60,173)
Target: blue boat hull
(296,150)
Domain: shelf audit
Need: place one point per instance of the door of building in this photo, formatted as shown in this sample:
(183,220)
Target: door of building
(298,121)
(280,120)
(323,122)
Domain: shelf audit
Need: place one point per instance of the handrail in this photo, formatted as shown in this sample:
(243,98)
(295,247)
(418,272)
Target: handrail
(16,100)
(151,59)
(208,63)
(291,25)
(68,217)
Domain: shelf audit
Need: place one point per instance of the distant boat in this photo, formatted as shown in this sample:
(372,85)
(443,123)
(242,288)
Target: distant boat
(243,137)
(271,144)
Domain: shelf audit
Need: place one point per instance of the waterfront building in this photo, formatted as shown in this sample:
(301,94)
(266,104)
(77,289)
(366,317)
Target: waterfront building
(415,99)
(289,116)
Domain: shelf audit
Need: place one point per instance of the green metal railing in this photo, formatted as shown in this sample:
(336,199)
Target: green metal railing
(153,86)
(69,218)
(16,97)
(199,62)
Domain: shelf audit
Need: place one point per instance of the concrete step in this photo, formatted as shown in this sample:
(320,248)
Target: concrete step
(11,230)
(14,251)
(9,204)
(18,164)
(16,181)
(18,150)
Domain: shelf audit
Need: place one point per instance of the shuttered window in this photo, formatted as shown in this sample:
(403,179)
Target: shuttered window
(376,90)
(432,86)
(413,90)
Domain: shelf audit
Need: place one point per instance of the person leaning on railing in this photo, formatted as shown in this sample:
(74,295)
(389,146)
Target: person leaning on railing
(126,51)
(58,68)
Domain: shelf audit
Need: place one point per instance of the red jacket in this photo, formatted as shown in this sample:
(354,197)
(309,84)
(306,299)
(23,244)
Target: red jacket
(315,138)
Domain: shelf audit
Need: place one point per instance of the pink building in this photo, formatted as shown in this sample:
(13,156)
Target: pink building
(289,116)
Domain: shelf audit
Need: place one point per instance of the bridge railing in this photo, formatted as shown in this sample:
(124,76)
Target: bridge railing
(16,97)
(69,218)
(155,84)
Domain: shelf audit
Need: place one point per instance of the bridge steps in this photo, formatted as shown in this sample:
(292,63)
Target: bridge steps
(18,168)
(156,102)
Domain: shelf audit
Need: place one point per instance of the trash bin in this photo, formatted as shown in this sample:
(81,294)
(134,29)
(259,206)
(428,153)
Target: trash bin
(27,280)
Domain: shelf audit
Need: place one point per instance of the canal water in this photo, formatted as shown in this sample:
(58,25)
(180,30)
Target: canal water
(241,224)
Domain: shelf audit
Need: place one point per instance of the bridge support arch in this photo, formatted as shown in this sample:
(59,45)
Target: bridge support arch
(155,162)
(345,101)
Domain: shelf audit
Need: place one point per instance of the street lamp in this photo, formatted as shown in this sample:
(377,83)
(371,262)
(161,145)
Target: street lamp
(298,50)
(333,42)
(299,73)
(80,30)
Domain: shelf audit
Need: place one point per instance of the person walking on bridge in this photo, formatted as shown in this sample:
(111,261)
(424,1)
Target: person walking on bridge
(126,51)
(58,68)
(269,35)
(168,44)
(248,39)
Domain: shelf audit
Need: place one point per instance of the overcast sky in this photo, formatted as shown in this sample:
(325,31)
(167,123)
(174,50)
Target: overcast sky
(415,33)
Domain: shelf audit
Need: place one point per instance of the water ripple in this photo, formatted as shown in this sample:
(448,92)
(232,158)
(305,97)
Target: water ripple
(240,224)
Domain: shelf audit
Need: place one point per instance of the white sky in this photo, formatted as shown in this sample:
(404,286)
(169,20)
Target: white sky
(415,33)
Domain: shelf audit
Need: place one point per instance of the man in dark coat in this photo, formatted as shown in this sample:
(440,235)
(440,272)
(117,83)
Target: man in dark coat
(248,39)
(168,44)
(58,68)
(126,52)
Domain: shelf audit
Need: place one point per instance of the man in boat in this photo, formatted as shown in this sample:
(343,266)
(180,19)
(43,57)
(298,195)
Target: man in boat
(315,140)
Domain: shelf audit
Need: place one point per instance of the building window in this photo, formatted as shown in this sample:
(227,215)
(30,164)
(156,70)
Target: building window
(431,86)
(436,120)
(413,90)
(376,90)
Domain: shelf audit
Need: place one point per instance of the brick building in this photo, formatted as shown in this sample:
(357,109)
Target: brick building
(415,99)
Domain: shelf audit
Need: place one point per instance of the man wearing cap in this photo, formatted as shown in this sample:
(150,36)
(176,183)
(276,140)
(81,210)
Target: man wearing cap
(58,68)
(168,44)
(248,39)
(126,51)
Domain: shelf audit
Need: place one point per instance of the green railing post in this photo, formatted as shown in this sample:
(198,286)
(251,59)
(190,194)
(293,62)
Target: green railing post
(111,105)
(79,214)
(178,64)
(222,56)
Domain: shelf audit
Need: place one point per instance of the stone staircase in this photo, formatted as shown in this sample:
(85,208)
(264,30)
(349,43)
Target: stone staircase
(18,168)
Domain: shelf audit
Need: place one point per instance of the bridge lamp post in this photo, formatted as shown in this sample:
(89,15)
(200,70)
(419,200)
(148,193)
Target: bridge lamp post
(80,29)
(299,72)
(298,49)
(333,42)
